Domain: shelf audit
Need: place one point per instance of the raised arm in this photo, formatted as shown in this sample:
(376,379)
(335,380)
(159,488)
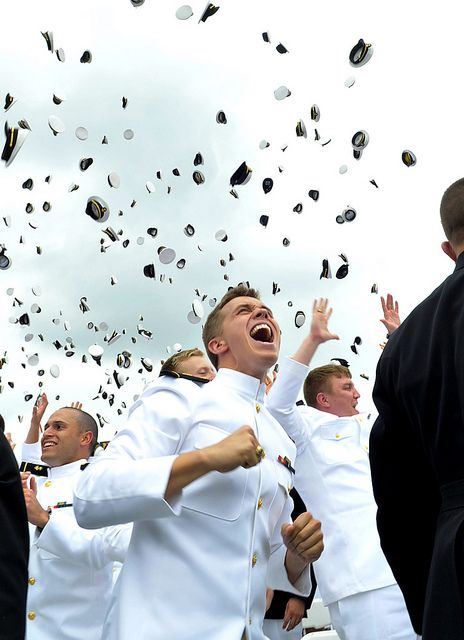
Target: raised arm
(292,373)
(38,410)
(391,316)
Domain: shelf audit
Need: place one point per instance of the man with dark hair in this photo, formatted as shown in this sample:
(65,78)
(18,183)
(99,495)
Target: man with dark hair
(14,547)
(417,446)
(70,569)
(333,479)
(189,362)
(204,472)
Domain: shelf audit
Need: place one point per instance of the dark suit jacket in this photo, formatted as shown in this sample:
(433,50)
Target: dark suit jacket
(14,547)
(417,459)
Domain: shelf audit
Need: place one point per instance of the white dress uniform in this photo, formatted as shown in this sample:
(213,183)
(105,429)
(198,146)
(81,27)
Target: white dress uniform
(334,480)
(70,568)
(199,566)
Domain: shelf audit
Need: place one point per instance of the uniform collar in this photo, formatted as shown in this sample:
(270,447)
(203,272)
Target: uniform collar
(323,416)
(247,386)
(66,469)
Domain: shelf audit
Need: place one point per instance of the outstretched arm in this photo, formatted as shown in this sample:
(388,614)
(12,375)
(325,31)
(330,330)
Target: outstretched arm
(40,406)
(293,371)
(318,334)
(391,317)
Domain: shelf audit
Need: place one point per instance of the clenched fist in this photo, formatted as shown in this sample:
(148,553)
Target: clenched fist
(240,449)
(303,538)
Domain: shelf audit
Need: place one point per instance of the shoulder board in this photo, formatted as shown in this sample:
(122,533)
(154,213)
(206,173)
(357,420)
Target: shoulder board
(35,469)
(184,376)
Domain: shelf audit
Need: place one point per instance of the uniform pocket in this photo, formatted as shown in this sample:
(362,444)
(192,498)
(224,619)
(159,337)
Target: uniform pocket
(340,442)
(219,495)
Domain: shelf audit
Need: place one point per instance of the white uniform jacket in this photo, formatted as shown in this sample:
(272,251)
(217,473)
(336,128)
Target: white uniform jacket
(334,480)
(70,568)
(199,566)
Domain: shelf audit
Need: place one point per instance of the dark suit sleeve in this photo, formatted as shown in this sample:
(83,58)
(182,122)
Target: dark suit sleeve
(405,493)
(14,547)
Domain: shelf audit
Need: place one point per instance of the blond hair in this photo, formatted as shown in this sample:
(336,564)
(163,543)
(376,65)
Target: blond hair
(320,380)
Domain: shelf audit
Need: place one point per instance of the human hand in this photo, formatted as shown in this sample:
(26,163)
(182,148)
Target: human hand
(76,405)
(303,538)
(238,449)
(269,381)
(294,612)
(391,317)
(38,411)
(9,437)
(35,513)
(269,597)
(319,331)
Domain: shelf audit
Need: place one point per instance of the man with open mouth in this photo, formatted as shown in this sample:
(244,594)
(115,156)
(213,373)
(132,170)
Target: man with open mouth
(204,472)
(70,569)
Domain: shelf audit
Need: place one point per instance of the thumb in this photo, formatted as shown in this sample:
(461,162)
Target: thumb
(384,322)
(286,530)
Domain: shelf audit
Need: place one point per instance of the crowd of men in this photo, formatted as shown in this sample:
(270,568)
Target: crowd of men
(185,527)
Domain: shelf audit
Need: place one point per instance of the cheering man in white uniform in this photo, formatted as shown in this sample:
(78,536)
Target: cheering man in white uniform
(204,472)
(333,478)
(70,569)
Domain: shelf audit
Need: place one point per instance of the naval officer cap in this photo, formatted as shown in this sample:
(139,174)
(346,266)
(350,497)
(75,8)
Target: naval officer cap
(97,209)
(361,53)
(241,176)
(15,137)
(408,158)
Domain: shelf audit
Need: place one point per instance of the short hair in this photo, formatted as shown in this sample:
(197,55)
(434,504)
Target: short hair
(2,423)
(174,363)
(452,212)
(86,422)
(213,324)
(320,379)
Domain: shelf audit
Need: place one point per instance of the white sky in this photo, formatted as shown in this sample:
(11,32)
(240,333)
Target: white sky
(176,76)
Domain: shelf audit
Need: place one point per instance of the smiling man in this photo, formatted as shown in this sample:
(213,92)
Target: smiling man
(204,472)
(70,569)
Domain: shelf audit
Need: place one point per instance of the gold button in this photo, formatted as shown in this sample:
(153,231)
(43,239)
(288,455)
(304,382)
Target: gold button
(366,447)
(260,503)
(258,408)
(48,483)
(31,580)
(31,615)
(254,560)
(289,488)
(337,435)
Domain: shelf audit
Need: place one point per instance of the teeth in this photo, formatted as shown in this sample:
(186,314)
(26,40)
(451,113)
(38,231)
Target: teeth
(49,444)
(261,327)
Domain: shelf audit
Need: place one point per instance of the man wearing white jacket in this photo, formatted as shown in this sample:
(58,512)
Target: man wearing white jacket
(333,478)
(70,569)
(204,472)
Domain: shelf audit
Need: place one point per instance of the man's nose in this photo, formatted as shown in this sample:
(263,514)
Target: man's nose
(261,313)
(356,394)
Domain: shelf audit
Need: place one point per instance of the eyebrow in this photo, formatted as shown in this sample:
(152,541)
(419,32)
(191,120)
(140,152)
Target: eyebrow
(247,305)
(58,423)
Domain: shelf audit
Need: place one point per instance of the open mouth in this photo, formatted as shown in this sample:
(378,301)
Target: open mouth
(48,444)
(262,333)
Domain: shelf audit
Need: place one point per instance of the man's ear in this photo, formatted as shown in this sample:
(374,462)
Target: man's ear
(322,399)
(448,249)
(218,346)
(87,438)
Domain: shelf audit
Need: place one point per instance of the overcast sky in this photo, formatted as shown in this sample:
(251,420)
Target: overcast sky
(176,75)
